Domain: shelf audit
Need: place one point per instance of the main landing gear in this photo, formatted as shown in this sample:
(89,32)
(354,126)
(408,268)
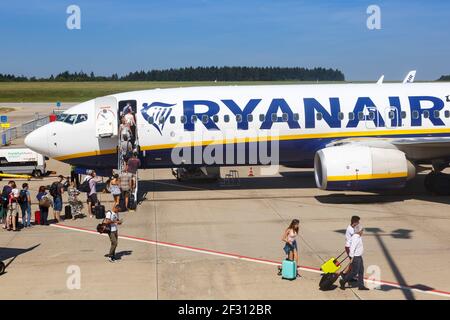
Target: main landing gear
(437,183)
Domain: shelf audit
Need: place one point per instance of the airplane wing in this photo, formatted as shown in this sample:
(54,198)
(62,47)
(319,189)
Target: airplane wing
(410,77)
(416,149)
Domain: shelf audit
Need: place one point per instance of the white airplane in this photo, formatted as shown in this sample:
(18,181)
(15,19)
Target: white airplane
(355,136)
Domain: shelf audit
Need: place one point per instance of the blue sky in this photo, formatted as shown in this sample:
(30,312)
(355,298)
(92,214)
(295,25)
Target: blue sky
(121,36)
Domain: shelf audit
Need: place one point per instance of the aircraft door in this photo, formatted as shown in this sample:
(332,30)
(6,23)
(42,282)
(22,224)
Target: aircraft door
(106,119)
(371,118)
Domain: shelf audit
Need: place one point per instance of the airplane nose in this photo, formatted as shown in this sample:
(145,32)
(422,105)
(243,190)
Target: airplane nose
(37,140)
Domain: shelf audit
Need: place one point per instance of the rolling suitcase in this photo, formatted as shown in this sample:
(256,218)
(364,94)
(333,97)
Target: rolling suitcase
(67,212)
(327,280)
(122,203)
(289,270)
(331,273)
(37,217)
(132,202)
(99,211)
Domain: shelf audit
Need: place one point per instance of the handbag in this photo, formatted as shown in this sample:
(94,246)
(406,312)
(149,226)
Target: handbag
(103,228)
(45,202)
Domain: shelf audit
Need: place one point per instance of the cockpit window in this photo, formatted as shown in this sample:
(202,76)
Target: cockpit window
(81,118)
(61,117)
(71,119)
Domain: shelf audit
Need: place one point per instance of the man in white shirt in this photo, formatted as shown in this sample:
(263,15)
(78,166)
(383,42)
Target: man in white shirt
(348,238)
(355,253)
(112,218)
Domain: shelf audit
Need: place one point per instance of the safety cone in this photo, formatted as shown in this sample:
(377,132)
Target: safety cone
(250,172)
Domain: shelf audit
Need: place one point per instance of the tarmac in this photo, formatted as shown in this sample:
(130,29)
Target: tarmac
(210,240)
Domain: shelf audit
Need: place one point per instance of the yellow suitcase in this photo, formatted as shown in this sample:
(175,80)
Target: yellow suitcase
(332,265)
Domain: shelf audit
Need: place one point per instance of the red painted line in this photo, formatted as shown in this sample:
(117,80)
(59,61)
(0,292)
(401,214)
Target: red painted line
(238,256)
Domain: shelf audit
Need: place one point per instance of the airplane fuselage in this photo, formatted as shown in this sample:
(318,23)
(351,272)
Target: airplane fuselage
(230,125)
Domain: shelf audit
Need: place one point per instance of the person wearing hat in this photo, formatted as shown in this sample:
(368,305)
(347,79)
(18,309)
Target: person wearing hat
(355,253)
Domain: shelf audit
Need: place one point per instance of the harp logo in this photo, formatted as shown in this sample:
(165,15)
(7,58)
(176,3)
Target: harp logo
(156,114)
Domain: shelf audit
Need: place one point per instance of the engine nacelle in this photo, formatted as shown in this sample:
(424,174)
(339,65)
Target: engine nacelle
(361,168)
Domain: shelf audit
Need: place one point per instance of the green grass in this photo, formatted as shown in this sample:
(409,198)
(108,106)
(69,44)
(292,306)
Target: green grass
(82,91)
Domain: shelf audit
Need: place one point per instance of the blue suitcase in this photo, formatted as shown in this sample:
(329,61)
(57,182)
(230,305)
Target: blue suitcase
(289,270)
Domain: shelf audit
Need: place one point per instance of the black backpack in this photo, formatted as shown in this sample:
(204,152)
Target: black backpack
(54,189)
(5,193)
(84,187)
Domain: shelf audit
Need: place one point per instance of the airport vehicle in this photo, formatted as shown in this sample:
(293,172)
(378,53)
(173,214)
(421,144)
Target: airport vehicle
(355,136)
(20,161)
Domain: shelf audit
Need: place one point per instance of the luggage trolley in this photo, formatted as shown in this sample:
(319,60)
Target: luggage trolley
(331,271)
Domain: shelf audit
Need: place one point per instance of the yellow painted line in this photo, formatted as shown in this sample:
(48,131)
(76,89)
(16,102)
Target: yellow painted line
(368,176)
(18,176)
(369,133)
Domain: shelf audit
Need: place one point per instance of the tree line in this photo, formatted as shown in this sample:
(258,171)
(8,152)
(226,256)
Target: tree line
(199,74)
(444,78)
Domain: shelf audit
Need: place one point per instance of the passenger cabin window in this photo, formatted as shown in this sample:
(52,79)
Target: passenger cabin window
(262,117)
(351,116)
(319,116)
(415,114)
(238,118)
(151,120)
(161,120)
(360,116)
(193,118)
(183,119)
(371,115)
(341,116)
(447,114)
(216,118)
(285,117)
(205,118)
(249,118)
(403,114)
(296,116)
(274,117)
(436,114)
(391,115)
(426,114)
(226,118)
(172,119)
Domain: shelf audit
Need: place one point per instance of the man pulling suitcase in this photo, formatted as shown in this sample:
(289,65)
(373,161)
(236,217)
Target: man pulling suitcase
(357,265)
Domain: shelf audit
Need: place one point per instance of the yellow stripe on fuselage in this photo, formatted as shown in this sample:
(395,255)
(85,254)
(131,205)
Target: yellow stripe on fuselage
(368,176)
(86,154)
(368,133)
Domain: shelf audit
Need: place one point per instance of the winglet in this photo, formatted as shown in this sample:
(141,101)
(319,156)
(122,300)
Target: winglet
(380,81)
(410,77)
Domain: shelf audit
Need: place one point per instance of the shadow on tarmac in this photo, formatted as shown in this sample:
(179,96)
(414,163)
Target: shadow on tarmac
(297,180)
(404,234)
(13,253)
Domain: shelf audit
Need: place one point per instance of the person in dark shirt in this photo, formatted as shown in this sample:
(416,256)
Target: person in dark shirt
(133,164)
(43,208)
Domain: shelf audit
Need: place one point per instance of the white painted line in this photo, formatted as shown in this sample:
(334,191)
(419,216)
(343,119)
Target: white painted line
(245,258)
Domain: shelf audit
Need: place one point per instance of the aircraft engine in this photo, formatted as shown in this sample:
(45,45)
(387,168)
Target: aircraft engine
(361,168)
